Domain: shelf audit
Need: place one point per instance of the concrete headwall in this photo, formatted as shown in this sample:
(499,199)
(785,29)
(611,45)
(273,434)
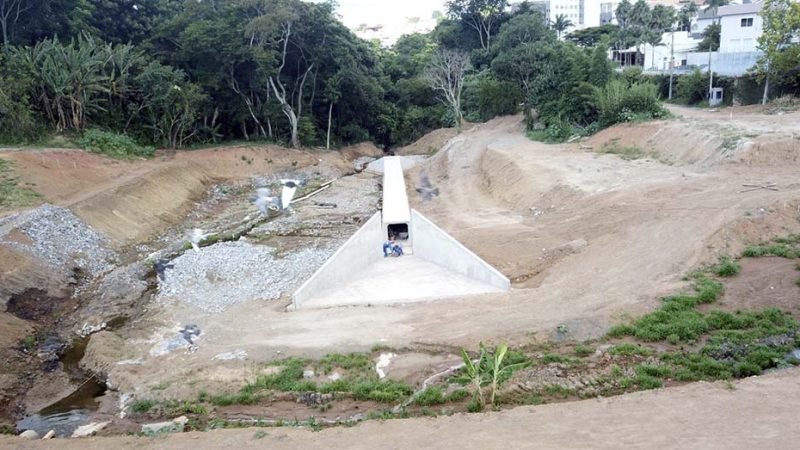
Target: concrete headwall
(435,245)
(360,251)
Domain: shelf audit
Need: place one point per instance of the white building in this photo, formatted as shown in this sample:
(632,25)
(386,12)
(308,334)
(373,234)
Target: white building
(741,26)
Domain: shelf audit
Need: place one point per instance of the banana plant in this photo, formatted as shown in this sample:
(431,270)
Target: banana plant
(488,371)
(499,372)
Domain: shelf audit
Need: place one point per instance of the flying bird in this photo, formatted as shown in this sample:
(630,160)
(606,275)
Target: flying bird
(197,236)
(289,189)
(265,202)
(161,267)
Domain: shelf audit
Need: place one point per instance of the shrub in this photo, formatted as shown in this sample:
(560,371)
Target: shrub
(113,145)
(619,102)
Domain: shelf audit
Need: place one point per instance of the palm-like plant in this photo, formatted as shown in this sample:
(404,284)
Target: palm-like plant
(489,371)
(561,24)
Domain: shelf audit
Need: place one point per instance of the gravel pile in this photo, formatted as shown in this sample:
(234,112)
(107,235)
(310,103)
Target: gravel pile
(60,238)
(230,273)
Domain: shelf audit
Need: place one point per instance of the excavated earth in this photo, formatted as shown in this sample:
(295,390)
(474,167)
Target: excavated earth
(586,237)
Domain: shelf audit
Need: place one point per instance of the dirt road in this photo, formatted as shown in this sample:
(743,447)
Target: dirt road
(758,412)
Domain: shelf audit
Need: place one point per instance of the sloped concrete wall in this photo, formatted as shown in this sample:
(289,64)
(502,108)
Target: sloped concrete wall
(359,252)
(435,245)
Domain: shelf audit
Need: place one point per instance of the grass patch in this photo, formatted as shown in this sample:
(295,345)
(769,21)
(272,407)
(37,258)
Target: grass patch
(552,358)
(241,398)
(630,350)
(626,153)
(12,195)
(142,406)
(381,391)
(289,379)
(677,318)
(430,396)
(113,145)
(583,350)
(353,362)
(726,267)
(784,247)
(457,395)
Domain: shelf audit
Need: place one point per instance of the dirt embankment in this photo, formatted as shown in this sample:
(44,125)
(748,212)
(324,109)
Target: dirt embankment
(701,415)
(706,138)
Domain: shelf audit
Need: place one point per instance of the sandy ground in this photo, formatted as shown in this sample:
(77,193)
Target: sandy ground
(758,412)
(587,239)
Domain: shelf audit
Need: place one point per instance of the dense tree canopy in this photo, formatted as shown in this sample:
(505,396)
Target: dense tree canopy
(183,72)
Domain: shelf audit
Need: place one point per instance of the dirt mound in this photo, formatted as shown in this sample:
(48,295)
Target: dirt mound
(668,141)
(354,152)
(429,143)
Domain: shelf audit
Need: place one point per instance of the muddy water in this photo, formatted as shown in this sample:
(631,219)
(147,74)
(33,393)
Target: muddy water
(67,414)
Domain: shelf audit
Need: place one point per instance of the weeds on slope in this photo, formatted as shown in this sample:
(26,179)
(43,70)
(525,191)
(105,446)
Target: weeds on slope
(12,195)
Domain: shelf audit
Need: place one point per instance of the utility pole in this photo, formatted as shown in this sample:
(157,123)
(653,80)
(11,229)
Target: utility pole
(710,73)
(671,61)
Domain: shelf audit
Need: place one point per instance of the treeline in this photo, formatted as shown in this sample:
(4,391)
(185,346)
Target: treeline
(187,72)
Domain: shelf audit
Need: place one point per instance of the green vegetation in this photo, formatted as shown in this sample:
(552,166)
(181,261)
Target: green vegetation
(785,247)
(726,267)
(583,350)
(626,153)
(735,344)
(113,145)
(430,396)
(12,195)
(6,428)
(490,370)
(142,406)
(630,350)
(677,315)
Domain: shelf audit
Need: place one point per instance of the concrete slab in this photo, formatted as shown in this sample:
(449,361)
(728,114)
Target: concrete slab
(407,162)
(390,281)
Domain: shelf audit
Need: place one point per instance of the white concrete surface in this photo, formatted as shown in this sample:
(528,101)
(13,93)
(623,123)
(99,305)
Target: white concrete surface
(407,162)
(395,199)
(435,245)
(406,279)
(360,251)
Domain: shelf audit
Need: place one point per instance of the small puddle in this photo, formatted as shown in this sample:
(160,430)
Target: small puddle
(67,414)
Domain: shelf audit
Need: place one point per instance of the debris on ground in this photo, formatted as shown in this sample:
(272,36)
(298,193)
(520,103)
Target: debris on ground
(229,273)
(58,237)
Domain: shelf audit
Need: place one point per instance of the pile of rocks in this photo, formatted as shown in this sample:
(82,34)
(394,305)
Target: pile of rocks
(230,273)
(60,238)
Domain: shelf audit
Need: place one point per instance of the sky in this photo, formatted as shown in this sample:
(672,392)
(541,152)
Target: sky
(386,12)
(392,14)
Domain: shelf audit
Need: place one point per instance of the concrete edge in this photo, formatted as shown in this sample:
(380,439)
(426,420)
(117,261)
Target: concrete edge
(331,260)
(506,283)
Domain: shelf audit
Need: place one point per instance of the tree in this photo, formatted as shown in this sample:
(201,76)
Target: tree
(446,74)
(710,42)
(561,24)
(10,13)
(686,14)
(482,15)
(781,25)
(600,70)
(332,94)
(592,36)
